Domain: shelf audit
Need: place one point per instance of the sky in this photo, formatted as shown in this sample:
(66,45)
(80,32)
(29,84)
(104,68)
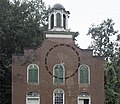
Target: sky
(84,13)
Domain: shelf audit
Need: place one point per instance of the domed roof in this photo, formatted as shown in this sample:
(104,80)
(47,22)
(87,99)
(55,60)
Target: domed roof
(58,6)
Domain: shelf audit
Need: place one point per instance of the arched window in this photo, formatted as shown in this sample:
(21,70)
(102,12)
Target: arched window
(52,21)
(84,74)
(33,73)
(58,15)
(32,98)
(64,21)
(84,98)
(58,96)
(58,72)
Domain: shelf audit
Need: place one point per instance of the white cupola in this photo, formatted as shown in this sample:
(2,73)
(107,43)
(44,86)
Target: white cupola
(58,18)
(58,23)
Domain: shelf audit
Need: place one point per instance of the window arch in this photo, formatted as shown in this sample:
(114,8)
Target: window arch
(84,74)
(33,73)
(52,21)
(84,98)
(32,98)
(58,96)
(58,15)
(58,72)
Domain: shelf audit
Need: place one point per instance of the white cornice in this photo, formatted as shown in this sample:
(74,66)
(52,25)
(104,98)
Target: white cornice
(58,36)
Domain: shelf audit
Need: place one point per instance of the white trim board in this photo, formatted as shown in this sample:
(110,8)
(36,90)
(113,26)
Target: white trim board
(58,36)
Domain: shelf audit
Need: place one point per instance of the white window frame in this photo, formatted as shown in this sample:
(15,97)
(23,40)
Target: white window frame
(83,98)
(28,73)
(88,75)
(54,95)
(32,97)
(63,74)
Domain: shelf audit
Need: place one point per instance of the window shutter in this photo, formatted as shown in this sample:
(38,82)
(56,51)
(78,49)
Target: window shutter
(58,20)
(84,74)
(58,72)
(33,74)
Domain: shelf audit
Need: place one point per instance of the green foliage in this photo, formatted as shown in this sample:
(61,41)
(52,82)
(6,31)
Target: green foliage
(101,35)
(5,79)
(104,46)
(75,35)
(23,22)
(21,25)
(110,75)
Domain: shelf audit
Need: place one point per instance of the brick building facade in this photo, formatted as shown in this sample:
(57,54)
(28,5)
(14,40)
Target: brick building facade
(57,72)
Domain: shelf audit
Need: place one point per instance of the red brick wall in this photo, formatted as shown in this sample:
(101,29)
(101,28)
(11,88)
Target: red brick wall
(52,52)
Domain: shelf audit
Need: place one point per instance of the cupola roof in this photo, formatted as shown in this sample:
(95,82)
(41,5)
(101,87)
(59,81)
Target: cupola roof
(58,6)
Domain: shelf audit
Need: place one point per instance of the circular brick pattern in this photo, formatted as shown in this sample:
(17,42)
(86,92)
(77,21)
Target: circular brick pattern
(61,45)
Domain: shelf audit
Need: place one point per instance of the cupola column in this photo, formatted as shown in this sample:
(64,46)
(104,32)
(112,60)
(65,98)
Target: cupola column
(55,19)
(49,21)
(62,20)
(67,22)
